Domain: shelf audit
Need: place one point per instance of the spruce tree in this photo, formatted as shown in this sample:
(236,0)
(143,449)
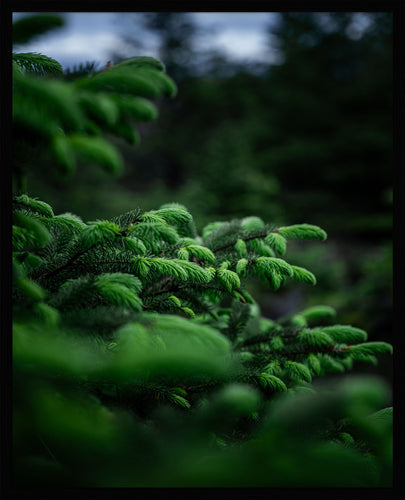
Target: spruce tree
(140,359)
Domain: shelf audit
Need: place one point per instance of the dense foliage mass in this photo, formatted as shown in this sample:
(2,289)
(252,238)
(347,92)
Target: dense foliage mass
(140,359)
(306,137)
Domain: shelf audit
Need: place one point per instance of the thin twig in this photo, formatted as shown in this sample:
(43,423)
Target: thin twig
(47,449)
(66,264)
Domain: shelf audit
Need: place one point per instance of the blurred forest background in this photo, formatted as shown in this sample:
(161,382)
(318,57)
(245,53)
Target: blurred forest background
(309,139)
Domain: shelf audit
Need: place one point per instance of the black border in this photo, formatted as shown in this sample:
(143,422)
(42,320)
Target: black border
(397,7)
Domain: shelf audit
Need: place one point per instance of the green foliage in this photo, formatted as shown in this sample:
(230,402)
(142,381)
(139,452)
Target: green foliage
(240,246)
(97,232)
(138,348)
(75,116)
(118,289)
(277,241)
(298,371)
(135,108)
(142,61)
(28,232)
(201,253)
(269,265)
(316,338)
(318,312)
(34,204)
(302,231)
(154,328)
(95,150)
(30,26)
(272,382)
(228,278)
(241,266)
(370,348)
(131,79)
(345,333)
(301,274)
(170,347)
(172,215)
(37,63)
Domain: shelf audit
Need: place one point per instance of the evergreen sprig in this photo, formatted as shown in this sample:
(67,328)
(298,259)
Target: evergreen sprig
(76,113)
(118,262)
(37,64)
(26,28)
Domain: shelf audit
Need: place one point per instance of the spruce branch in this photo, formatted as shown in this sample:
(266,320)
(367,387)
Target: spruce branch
(38,64)
(328,350)
(245,239)
(299,231)
(66,265)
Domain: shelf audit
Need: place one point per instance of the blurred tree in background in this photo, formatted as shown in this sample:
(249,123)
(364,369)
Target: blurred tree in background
(307,139)
(331,140)
(176,37)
